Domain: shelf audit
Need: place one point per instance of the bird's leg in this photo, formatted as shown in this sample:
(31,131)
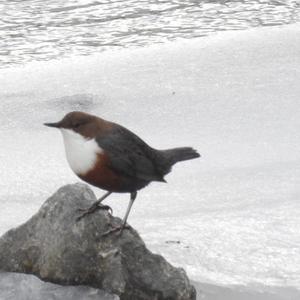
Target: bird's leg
(95,206)
(120,228)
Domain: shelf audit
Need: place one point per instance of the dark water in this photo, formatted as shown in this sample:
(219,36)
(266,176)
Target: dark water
(43,30)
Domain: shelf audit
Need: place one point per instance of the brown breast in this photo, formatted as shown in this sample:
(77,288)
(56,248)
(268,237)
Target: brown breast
(102,176)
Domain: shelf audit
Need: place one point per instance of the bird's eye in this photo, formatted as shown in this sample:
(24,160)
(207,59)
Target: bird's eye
(76,125)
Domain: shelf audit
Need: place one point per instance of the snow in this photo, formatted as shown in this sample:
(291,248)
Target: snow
(230,217)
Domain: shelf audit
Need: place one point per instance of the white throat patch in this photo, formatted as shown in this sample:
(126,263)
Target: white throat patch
(81,152)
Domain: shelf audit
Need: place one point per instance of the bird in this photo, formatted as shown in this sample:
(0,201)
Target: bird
(113,158)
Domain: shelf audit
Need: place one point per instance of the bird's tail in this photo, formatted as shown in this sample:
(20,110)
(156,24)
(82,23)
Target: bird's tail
(179,154)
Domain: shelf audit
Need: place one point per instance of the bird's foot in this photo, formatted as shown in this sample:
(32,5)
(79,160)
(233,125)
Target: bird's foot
(92,209)
(119,229)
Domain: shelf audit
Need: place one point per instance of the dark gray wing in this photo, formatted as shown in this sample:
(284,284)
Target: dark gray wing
(129,155)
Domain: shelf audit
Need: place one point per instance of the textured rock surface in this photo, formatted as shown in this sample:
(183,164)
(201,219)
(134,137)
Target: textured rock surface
(56,248)
(17,286)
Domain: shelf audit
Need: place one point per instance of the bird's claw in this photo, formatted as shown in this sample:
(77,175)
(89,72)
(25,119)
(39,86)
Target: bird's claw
(92,209)
(119,228)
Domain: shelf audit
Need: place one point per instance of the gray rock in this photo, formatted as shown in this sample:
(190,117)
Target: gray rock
(56,248)
(17,286)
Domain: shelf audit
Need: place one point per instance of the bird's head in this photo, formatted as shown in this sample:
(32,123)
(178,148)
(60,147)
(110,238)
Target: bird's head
(77,122)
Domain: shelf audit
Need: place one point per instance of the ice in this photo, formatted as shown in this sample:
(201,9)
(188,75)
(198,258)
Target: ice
(228,218)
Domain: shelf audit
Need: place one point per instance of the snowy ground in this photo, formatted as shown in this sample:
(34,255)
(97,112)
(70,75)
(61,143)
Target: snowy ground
(229,218)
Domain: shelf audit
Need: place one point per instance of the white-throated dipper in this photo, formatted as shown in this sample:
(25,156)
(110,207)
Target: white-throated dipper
(111,157)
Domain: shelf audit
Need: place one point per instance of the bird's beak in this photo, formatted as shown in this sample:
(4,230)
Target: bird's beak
(56,125)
